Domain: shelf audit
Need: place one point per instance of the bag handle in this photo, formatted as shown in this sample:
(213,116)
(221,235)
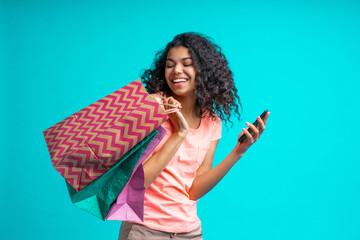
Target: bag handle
(167,111)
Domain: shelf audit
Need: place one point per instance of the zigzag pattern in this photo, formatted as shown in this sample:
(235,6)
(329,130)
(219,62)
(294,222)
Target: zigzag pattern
(88,143)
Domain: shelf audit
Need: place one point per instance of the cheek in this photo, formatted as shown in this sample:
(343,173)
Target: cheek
(192,72)
(167,74)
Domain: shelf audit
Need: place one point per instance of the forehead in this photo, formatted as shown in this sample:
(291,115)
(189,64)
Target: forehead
(177,53)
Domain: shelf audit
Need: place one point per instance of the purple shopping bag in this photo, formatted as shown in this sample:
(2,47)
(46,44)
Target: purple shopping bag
(129,205)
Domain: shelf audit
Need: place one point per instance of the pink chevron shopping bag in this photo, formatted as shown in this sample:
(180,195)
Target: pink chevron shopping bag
(88,143)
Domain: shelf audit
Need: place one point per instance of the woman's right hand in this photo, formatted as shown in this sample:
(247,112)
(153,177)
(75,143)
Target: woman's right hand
(177,119)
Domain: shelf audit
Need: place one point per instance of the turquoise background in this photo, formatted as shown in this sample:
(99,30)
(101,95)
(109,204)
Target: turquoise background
(299,59)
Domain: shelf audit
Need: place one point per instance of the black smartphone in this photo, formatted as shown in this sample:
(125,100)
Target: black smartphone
(256,123)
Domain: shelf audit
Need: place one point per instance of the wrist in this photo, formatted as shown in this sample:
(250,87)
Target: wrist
(238,153)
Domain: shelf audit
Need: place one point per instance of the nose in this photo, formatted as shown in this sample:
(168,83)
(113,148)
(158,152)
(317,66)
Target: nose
(178,68)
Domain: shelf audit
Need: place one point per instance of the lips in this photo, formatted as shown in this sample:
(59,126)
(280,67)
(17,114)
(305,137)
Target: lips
(179,80)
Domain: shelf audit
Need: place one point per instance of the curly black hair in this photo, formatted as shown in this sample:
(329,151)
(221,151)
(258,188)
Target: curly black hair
(215,86)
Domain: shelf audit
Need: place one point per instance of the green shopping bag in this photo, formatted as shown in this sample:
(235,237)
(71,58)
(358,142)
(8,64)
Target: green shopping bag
(97,197)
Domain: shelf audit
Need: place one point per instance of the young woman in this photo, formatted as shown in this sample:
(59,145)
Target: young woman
(192,74)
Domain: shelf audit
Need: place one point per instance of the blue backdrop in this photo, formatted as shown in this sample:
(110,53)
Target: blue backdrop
(299,59)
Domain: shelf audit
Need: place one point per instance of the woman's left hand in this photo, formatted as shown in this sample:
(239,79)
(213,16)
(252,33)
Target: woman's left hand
(251,138)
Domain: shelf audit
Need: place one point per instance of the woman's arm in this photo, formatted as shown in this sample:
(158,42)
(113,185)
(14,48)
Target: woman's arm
(206,178)
(155,164)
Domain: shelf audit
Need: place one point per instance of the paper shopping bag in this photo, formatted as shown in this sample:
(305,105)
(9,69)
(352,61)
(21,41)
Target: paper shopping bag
(97,197)
(88,143)
(129,205)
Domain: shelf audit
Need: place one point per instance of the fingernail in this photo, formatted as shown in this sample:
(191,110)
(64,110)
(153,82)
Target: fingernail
(247,123)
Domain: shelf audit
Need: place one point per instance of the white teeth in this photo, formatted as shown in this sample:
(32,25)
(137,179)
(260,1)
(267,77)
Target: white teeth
(179,80)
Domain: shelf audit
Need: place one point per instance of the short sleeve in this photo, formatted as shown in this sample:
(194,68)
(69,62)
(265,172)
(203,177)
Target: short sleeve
(216,127)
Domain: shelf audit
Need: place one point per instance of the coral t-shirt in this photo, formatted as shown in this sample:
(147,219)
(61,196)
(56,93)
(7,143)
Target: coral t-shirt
(167,206)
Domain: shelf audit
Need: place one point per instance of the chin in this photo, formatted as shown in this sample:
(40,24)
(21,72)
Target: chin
(183,93)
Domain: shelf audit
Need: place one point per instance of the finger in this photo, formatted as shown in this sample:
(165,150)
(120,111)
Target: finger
(248,135)
(171,110)
(261,125)
(157,95)
(254,129)
(170,103)
(241,134)
(266,117)
(173,101)
(170,100)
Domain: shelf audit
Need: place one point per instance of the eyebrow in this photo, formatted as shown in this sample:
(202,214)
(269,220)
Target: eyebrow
(183,59)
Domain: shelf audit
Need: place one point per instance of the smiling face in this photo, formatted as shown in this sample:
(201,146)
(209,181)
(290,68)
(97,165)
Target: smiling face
(180,71)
